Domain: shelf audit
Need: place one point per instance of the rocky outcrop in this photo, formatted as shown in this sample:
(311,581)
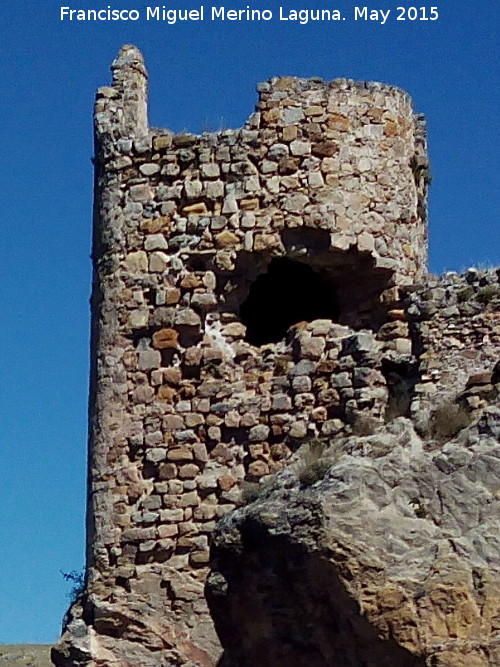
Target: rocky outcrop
(114,626)
(382,551)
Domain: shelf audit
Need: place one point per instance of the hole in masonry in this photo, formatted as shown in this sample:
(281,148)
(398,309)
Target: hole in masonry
(401,380)
(289,292)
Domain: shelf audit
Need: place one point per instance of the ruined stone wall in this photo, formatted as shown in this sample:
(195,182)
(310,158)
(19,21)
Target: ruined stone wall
(455,330)
(240,280)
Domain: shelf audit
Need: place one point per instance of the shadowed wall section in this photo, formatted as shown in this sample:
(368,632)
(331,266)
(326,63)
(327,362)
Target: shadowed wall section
(277,604)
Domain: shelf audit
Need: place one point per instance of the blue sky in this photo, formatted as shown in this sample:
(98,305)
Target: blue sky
(202,76)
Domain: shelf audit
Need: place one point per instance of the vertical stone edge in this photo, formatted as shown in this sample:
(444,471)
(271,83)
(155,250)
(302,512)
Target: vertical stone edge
(120,116)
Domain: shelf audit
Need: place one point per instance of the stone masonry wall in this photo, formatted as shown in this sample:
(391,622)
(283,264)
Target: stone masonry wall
(251,293)
(455,329)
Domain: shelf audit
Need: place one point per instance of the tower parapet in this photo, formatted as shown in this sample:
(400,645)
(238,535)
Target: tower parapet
(121,110)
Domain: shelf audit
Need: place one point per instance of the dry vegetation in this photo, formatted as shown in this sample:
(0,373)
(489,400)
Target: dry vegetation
(25,655)
(448,420)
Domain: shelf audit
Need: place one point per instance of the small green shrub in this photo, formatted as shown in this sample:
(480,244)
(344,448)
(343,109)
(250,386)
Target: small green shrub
(312,467)
(364,424)
(448,420)
(250,491)
(487,294)
(309,474)
(465,294)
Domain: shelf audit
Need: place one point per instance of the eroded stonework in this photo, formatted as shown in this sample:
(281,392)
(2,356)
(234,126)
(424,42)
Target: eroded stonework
(252,293)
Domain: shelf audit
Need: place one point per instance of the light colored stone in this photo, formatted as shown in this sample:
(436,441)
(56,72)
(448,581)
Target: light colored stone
(136,261)
(138,319)
(299,147)
(155,242)
(226,239)
(148,360)
(158,262)
(149,169)
(298,429)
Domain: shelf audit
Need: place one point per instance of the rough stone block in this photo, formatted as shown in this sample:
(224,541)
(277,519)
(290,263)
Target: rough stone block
(148,360)
(165,339)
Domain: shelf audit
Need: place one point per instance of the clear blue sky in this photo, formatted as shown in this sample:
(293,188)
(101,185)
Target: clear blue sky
(202,76)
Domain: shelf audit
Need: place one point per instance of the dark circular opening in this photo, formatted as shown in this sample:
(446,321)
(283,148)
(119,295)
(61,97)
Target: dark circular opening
(289,292)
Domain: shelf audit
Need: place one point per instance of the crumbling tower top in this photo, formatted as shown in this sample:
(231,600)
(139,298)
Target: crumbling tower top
(331,174)
(130,78)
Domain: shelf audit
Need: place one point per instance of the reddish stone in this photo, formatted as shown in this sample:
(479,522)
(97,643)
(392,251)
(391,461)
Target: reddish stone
(325,149)
(172,296)
(166,394)
(172,376)
(226,482)
(192,356)
(165,339)
(173,422)
(258,469)
(191,281)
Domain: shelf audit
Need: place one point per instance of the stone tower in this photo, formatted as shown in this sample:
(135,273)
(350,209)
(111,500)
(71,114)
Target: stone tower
(231,271)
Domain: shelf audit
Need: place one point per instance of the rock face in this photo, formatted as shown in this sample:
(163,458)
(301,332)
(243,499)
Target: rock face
(254,290)
(391,558)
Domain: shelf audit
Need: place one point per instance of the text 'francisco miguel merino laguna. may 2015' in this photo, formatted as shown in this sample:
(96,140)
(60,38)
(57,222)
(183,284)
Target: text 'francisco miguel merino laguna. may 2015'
(172,16)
